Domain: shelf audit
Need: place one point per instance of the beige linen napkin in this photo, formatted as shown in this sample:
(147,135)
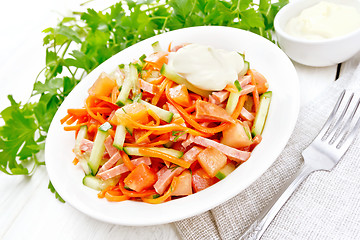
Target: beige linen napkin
(325,206)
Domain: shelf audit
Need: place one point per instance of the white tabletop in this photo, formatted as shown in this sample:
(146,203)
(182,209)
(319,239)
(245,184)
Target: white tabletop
(28,209)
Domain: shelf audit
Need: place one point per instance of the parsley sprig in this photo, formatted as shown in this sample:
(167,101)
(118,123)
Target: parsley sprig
(79,43)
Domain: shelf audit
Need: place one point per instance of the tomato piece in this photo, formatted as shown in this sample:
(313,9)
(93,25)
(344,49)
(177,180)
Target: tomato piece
(210,111)
(137,111)
(261,83)
(212,160)
(237,135)
(157,59)
(201,180)
(140,178)
(184,186)
(103,86)
(180,95)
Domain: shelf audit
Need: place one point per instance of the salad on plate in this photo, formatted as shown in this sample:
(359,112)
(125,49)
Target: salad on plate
(169,124)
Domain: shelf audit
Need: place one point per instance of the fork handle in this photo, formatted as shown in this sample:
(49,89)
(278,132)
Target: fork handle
(256,230)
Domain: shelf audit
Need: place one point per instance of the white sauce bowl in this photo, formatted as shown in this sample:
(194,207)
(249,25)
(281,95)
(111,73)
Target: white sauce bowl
(316,53)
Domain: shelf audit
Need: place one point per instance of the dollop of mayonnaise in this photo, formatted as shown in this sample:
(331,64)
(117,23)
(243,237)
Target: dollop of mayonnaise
(205,67)
(323,21)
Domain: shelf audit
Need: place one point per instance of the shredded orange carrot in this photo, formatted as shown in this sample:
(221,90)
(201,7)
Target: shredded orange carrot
(107,100)
(93,127)
(64,119)
(190,109)
(151,123)
(153,144)
(178,120)
(71,120)
(239,106)
(143,193)
(102,193)
(191,121)
(154,153)
(154,116)
(75,161)
(90,112)
(157,96)
(81,112)
(100,118)
(114,198)
(74,128)
(162,128)
(166,195)
(127,161)
(84,119)
(112,133)
(144,136)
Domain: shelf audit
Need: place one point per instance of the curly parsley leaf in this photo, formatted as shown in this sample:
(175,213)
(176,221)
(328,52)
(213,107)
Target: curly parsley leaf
(18,142)
(57,196)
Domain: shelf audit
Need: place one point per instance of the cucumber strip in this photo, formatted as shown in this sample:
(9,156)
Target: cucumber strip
(82,134)
(245,68)
(225,171)
(83,161)
(137,98)
(156,46)
(99,184)
(135,151)
(260,118)
(130,130)
(98,149)
(232,102)
(134,79)
(119,138)
(247,132)
(118,76)
(163,114)
(171,74)
(131,77)
(82,157)
(105,127)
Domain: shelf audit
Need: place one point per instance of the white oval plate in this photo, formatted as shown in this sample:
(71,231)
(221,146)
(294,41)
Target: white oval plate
(263,55)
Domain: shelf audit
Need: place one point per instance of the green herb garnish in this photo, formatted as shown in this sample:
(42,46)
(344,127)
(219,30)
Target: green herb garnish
(174,167)
(237,85)
(155,196)
(138,97)
(142,58)
(177,134)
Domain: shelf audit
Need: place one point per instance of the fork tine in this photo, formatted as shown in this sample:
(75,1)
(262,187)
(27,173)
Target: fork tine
(341,124)
(330,122)
(349,135)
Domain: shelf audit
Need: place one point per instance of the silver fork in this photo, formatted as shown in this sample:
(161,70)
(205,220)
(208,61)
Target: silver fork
(323,153)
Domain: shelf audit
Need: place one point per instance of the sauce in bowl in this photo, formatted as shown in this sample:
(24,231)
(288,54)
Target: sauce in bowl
(323,21)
